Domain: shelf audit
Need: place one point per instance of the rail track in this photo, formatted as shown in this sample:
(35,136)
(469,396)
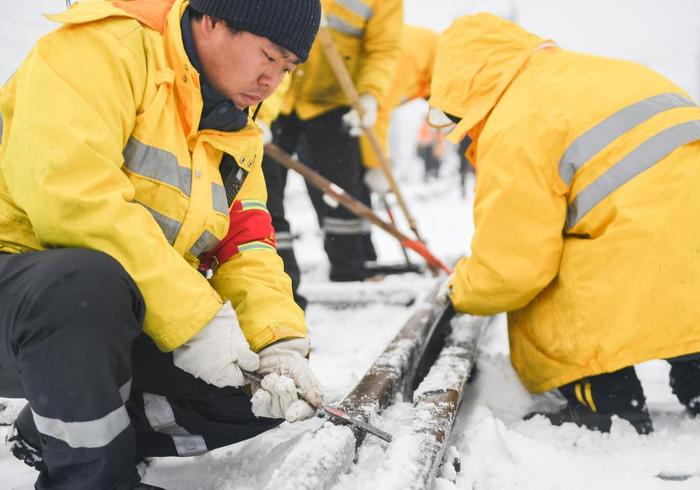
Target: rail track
(428,363)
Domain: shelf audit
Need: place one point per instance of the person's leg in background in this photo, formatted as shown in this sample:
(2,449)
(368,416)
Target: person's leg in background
(285,133)
(336,156)
(684,379)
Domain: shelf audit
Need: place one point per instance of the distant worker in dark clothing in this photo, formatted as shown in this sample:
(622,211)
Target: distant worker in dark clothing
(465,165)
(431,145)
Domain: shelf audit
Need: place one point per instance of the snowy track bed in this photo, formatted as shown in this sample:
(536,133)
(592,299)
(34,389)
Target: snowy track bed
(497,449)
(411,459)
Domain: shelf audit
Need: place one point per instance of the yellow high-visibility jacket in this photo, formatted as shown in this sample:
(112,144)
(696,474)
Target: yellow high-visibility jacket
(411,81)
(367,34)
(100,149)
(272,106)
(586,208)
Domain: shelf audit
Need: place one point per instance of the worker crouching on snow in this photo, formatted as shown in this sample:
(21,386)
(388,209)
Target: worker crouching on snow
(129,161)
(586,216)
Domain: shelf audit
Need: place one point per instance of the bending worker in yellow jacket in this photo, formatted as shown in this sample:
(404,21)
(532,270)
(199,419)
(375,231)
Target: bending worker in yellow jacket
(586,210)
(411,81)
(129,161)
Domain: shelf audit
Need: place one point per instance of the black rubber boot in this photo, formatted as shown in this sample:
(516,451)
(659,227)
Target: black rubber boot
(579,415)
(24,441)
(592,401)
(685,382)
(585,417)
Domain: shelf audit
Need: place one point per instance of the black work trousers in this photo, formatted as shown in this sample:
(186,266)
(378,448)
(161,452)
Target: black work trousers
(323,144)
(100,391)
(276,181)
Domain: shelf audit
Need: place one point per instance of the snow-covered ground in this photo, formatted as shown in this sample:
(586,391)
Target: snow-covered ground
(498,450)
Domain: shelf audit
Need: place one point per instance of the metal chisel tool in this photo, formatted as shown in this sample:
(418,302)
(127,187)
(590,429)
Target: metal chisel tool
(336,412)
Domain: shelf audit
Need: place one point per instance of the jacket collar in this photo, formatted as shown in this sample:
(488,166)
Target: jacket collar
(218,112)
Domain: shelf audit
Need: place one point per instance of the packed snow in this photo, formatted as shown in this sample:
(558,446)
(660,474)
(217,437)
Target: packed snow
(495,448)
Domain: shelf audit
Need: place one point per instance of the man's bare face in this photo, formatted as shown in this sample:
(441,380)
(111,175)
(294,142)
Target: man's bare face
(243,67)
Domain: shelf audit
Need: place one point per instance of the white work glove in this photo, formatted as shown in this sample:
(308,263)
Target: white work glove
(266,132)
(287,383)
(356,124)
(445,290)
(376,181)
(218,352)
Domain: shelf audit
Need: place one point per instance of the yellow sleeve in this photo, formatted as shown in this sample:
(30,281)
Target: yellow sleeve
(255,282)
(273,104)
(381,48)
(519,214)
(62,165)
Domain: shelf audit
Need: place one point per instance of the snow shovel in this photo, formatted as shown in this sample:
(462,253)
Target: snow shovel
(352,204)
(335,412)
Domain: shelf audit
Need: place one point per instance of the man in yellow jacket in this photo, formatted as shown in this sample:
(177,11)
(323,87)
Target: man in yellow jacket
(128,161)
(586,215)
(316,123)
(411,81)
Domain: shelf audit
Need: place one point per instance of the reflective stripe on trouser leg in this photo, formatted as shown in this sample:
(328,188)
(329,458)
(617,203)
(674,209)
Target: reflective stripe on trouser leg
(162,419)
(343,226)
(284,240)
(174,413)
(77,312)
(90,433)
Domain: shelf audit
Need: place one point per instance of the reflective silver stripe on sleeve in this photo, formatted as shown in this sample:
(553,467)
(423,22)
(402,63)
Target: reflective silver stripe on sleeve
(157,164)
(284,240)
(357,7)
(218,198)
(601,135)
(340,226)
(125,391)
(341,26)
(161,417)
(90,434)
(169,226)
(638,160)
(204,243)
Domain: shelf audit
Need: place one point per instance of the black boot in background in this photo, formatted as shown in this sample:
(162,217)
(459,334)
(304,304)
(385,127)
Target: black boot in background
(592,401)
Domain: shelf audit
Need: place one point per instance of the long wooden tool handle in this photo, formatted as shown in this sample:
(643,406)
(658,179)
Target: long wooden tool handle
(390,214)
(348,86)
(353,205)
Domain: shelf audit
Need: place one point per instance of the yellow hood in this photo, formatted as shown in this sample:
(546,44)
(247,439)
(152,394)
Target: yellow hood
(478,57)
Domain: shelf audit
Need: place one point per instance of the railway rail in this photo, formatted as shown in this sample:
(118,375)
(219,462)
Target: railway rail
(427,363)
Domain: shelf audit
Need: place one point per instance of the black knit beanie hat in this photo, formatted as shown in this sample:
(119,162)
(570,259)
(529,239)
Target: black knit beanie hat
(292,24)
